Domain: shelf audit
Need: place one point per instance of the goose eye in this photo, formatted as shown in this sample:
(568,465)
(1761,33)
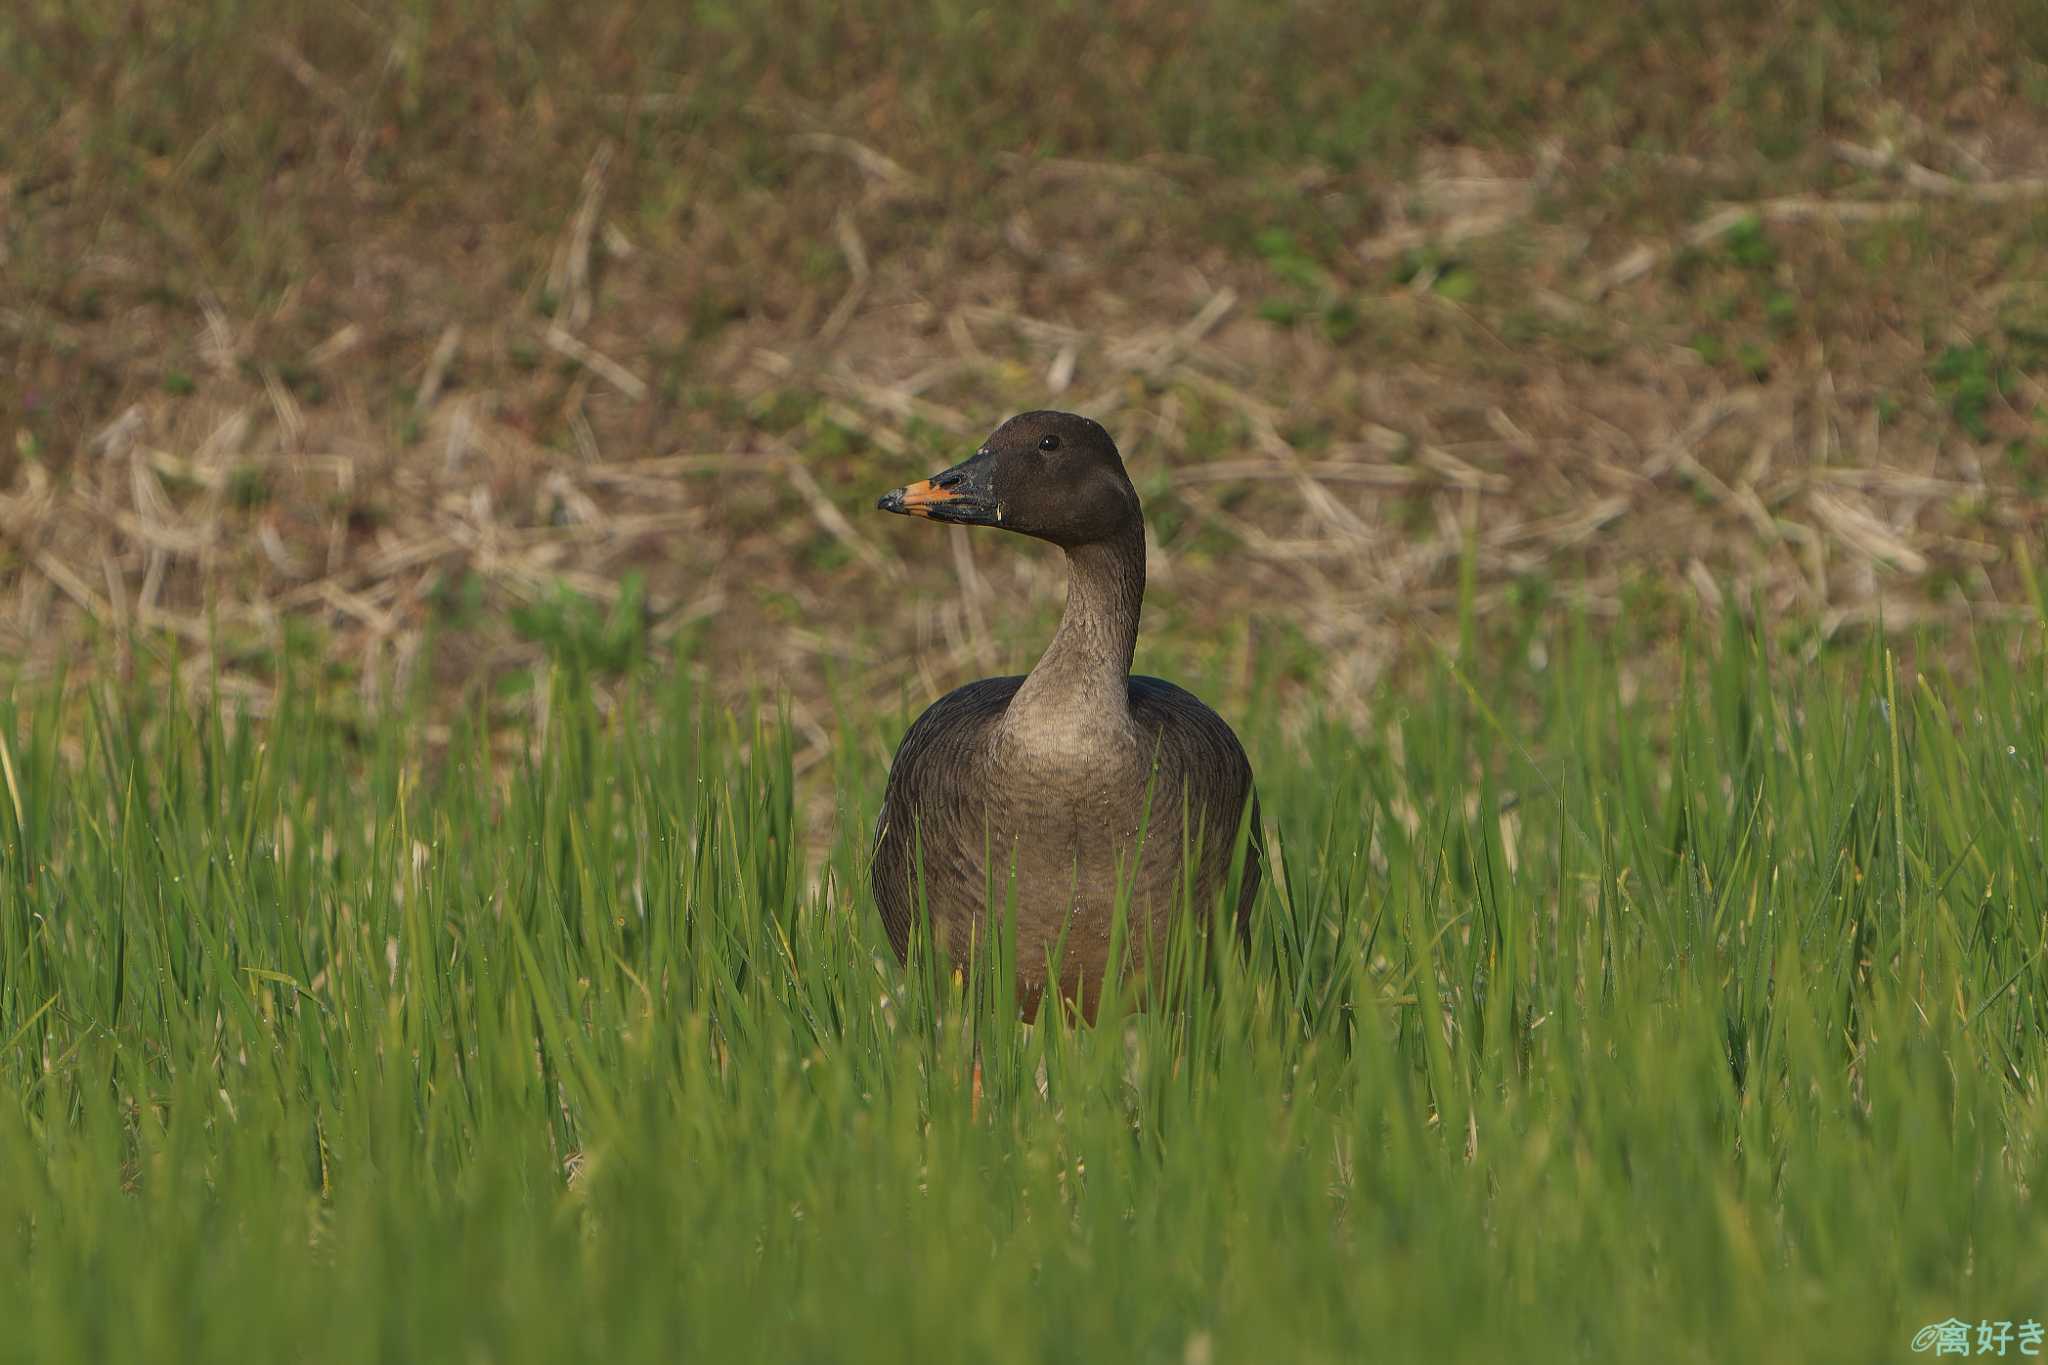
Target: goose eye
(1049,443)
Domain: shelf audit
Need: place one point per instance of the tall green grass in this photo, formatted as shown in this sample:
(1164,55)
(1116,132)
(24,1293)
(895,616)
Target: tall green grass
(1594,1015)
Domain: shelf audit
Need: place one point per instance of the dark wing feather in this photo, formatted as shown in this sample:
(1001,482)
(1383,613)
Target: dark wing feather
(1200,746)
(937,769)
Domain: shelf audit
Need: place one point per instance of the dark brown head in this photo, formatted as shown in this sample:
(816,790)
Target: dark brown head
(1046,474)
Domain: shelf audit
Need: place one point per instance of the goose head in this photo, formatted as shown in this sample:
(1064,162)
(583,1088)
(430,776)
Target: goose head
(1051,475)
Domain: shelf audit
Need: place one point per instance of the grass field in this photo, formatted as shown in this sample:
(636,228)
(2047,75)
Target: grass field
(1586,1020)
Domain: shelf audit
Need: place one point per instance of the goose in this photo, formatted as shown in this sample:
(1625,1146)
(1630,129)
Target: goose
(1059,790)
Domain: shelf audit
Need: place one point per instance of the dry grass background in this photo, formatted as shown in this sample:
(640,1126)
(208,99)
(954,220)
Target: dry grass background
(419,337)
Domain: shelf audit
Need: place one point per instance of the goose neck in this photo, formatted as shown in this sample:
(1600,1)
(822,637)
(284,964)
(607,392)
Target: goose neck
(1081,685)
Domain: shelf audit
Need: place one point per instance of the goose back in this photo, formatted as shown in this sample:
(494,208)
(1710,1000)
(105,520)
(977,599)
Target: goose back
(970,825)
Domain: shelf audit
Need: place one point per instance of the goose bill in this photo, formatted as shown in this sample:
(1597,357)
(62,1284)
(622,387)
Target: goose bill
(963,494)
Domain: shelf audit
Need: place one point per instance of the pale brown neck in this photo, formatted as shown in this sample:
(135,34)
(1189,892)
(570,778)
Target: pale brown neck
(1081,685)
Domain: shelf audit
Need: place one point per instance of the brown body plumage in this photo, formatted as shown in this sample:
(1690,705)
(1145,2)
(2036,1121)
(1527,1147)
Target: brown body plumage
(1034,790)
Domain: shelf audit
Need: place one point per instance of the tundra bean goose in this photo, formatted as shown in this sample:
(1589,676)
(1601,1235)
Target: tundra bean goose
(1037,787)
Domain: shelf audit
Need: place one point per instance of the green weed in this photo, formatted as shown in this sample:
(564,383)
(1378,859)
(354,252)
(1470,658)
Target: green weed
(1968,379)
(580,633)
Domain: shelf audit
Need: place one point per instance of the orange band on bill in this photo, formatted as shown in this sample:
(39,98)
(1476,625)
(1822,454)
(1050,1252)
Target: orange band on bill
(924,493)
